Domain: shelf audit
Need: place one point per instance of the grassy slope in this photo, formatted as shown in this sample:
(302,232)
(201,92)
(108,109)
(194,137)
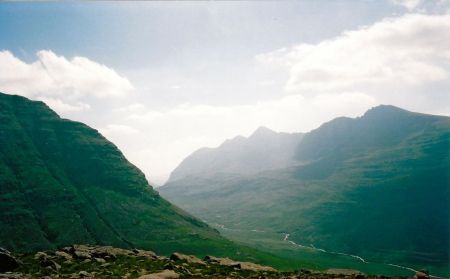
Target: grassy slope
(62,182)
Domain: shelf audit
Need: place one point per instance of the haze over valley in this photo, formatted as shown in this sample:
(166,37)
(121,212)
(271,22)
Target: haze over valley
(225,139)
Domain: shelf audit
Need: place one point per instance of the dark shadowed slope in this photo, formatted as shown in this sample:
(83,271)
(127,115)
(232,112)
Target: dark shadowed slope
(62,182)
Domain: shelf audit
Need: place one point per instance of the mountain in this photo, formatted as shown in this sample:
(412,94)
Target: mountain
(375,186)
(263,150)
(62,183)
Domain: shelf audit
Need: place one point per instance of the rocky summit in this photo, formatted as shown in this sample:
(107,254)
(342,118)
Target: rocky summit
(84,261)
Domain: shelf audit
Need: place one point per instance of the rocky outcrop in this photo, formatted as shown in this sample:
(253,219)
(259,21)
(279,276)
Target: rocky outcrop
(186,258)
(239,265)
(85,262)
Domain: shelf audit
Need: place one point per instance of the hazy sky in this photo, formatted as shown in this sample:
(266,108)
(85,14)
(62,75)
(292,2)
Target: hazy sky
(162,79)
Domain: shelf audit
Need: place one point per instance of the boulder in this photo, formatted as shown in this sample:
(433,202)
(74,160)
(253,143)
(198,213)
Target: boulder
(422,274)
(344,272)
(109,251)
(83,274)
(144,253)
(81,251)
(40,256)
(222,261)
(7,261)
(236,264)
(256,267)
(105,252)
(11,275)
(100,260)
(82,254)
(46,262)
(186,258)
(64,255)
(165,274)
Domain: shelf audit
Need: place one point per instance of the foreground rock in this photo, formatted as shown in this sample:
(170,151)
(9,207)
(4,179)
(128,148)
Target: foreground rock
(84,262)
(239,265)
(186,258)
(165,274)
(423,274)
(346,272)
(7,261)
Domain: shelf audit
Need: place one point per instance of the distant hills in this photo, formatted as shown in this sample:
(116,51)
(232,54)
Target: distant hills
(63,183)
(375,186)
(263,150)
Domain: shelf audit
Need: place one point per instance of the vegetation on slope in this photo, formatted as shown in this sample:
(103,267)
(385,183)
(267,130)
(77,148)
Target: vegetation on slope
(376,186)
(61,182)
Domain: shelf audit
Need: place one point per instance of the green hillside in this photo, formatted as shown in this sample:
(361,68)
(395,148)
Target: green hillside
(391,168)
(63,183)
(376,186)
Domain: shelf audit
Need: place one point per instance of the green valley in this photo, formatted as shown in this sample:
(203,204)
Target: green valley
(375,186)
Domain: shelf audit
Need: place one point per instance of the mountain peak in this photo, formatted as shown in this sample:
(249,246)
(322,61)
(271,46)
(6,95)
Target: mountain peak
(385,110)
(262,131)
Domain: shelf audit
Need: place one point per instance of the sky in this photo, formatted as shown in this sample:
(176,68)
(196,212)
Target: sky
(162,79)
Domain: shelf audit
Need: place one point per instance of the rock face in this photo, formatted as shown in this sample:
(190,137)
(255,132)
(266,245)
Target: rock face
(7,261)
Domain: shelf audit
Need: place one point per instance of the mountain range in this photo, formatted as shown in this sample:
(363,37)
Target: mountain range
(263,150)
(63,183)
(375,186)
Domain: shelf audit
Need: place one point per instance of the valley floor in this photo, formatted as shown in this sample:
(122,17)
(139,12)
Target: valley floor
(311,257)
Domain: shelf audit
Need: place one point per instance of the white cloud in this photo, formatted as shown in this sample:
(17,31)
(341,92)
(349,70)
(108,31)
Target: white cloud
(118,129)
(408,4)
(135,107)
(59,81)
(59,106)
(422,6)
(396,60)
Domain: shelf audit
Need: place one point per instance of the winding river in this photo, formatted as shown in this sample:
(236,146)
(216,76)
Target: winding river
(286,238)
